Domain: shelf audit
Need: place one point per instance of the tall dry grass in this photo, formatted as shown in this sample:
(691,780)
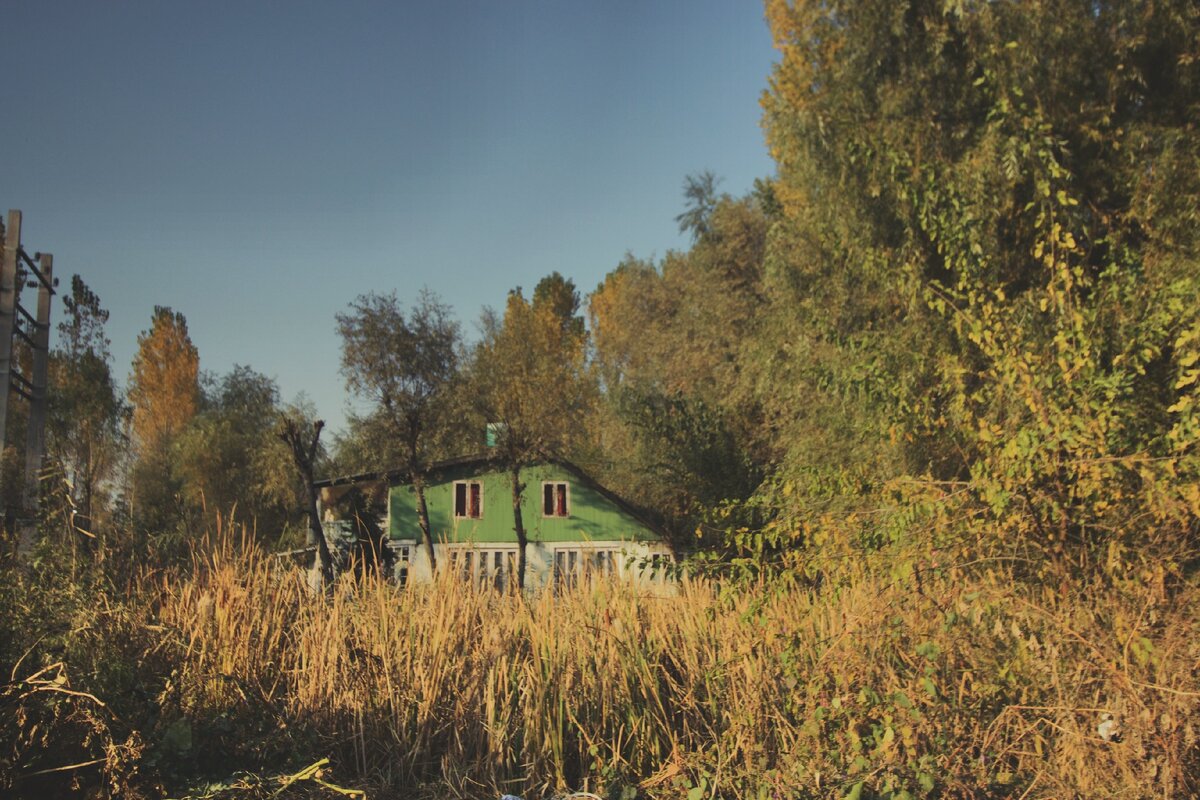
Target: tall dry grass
(967,683)
(972,685)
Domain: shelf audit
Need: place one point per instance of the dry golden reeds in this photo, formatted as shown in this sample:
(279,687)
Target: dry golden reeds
(965,683)
(971,685)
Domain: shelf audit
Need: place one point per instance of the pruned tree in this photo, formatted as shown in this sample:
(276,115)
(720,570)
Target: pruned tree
(404,365)
(303,445)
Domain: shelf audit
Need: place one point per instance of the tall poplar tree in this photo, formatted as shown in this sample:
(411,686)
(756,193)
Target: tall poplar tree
(164,391)
(164,387)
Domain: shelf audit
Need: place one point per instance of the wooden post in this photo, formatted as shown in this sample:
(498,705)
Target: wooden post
(35,437)
(8,302)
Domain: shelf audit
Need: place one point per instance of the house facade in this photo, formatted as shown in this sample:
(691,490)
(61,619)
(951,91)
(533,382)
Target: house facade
(575,527)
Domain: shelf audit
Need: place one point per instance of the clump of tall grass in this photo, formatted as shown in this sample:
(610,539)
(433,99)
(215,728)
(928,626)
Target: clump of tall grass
(968,684)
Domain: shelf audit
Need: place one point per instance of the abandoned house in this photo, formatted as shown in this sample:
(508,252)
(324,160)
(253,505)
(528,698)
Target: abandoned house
(574,526)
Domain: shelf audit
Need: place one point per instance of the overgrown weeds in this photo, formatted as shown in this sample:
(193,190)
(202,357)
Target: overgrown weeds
(965,682)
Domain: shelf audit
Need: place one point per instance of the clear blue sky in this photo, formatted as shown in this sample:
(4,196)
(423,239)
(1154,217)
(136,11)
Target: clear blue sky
(257,165)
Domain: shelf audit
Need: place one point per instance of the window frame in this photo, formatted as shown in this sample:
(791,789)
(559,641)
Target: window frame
(477,564)
(566,497)
(403,562)
(467,499)
(402,553)
(573,563)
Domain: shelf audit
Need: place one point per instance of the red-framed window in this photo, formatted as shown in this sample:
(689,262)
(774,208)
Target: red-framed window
(556,499)
(468,500)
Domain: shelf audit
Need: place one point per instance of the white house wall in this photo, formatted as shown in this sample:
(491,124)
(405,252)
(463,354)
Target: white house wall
(644,563)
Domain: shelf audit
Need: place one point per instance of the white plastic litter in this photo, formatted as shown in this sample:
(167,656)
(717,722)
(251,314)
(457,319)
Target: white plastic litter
(1109,728)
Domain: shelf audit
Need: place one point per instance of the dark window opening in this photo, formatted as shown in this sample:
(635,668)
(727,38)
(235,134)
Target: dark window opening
(468,499)
(554,500)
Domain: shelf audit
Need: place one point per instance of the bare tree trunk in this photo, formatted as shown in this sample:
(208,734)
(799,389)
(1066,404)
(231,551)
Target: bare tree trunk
(423,520)
(518,489)
(316,535)
(304,450)
(85,506)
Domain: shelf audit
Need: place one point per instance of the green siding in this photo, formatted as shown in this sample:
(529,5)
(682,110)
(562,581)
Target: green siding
(593,517)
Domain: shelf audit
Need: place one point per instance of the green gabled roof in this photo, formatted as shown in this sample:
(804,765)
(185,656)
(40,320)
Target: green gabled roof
(398,477)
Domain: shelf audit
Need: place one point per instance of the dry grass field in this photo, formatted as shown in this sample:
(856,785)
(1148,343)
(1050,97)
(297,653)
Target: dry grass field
(222,676)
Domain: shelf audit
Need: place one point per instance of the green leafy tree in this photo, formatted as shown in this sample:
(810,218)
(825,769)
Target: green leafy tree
(670,341)
(405,365)
(529,376)
(229,456)
(83,431)
(685,459)
(976,267)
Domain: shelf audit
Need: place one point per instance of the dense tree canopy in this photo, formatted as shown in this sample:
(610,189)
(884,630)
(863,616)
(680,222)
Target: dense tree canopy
(228,456)
(987,257)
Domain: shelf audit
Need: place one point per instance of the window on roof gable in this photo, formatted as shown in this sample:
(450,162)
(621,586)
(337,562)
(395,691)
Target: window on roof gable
(468,500)
(555,499)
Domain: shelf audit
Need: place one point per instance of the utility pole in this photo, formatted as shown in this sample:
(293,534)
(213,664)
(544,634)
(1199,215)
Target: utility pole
(8,303)
(15,267)
(35,435)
